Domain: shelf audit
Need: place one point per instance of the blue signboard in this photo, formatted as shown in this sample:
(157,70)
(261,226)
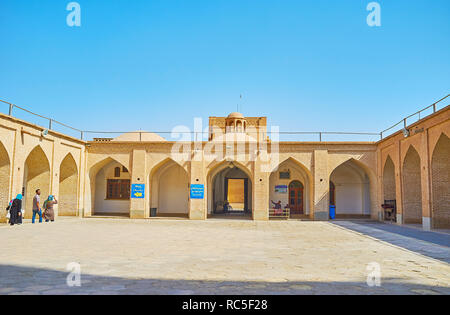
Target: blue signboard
(138,191)
(197,191)
(281,189)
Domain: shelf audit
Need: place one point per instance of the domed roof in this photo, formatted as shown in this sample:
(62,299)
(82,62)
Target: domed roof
(235,115)
(139,136)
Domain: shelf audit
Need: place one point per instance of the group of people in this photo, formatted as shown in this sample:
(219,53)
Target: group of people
(15,211)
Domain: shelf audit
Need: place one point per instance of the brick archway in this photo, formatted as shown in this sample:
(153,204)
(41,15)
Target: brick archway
(68,187)
(5,169)
(440,169)
(412,188)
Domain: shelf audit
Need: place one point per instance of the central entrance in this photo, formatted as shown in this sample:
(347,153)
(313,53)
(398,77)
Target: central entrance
(231,188)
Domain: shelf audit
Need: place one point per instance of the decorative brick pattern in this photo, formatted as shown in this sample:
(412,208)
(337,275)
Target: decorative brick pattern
(4,182)
(389,180)
(68,183)
(37,176)
(440,168)
(412,190)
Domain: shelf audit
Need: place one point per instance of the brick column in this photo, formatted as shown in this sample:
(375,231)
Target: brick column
(260,188)
(398,185)
(198,209)
(321,186)
(55,162)
(425,182)
(138,208)
(379,195)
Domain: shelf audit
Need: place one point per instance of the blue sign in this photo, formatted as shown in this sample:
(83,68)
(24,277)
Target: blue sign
(281,189)
(138,191)
(197,191)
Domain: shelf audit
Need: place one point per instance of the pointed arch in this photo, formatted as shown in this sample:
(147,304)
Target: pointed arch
(68,187)
(5,171)
(110,195)
(412,188)
(300,204)
(36,176)
(389,188)
(440,179)
(169,189)
(216,167)
(354,188)
(218,176)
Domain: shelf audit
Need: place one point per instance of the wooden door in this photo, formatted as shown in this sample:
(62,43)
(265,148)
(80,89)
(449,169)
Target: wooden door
(296,197)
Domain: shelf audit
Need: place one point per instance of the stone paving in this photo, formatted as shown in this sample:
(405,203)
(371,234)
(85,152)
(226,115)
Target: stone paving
(122,256)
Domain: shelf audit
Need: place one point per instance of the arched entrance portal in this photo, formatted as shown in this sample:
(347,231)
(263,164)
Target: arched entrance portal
(169,185)
(350,190)
(68,187)
(412,189)
(36,176)
(290,185)
(440,168)
(231,191)
(4,180)
(389,191)
(110,186)
(296,197)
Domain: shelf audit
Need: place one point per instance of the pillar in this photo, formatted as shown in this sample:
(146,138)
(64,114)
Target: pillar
(425,181)
(198,209)
(138,209)
(398,185)
(321,186)
(260,188)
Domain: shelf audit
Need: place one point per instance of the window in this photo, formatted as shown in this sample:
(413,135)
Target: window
(117,172)
(118,189)
(124,169)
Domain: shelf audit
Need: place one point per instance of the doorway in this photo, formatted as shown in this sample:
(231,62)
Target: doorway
(236,194)
(296,197)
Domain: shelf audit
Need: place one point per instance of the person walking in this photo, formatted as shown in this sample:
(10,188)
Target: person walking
(15,211)
(37,206)
(49,214)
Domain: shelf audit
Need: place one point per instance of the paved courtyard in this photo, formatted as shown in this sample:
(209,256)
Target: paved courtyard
(121,256)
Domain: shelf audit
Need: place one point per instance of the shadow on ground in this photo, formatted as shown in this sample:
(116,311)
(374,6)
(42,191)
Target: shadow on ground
(27,280)
(428,243)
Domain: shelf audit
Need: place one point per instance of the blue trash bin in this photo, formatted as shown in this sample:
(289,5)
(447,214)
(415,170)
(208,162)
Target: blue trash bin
(332,212)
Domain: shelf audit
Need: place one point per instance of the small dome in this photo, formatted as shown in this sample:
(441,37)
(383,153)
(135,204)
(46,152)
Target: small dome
(235,115)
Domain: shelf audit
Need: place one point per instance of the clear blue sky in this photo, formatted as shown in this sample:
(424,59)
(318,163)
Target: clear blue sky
(152,65)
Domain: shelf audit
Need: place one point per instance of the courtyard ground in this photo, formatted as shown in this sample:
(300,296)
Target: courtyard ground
(122,256)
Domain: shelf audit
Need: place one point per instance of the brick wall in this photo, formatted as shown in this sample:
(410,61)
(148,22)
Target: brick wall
(68,183)
(440,169)
(389,180)
(412,191)
(37,176)
(4,182)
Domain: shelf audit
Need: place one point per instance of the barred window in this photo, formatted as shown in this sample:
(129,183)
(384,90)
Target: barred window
(118,189)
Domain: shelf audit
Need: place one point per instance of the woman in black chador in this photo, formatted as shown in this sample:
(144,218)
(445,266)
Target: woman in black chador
(16,211)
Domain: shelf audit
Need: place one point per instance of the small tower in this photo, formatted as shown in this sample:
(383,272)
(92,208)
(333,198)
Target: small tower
(236,122)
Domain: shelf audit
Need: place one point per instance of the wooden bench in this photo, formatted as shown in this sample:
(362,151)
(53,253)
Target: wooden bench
(279,213)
